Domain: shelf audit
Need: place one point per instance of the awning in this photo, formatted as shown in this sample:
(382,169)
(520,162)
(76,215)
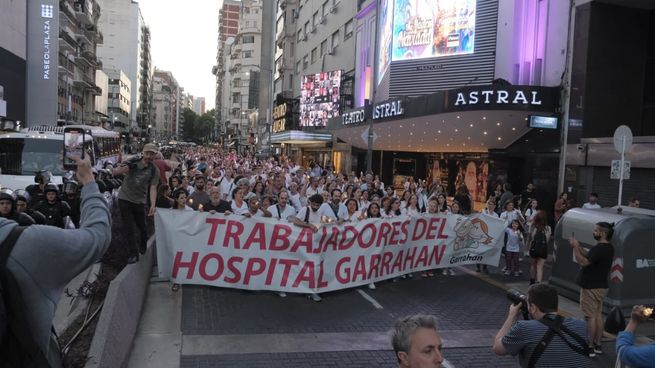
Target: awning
(300,137)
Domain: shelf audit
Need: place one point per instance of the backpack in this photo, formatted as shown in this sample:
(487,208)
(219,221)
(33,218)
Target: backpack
(17,348)
(539,246)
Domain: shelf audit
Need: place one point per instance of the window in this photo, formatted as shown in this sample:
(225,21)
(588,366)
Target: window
(248,39)
(348,30)
(236,97)
(290,81)
(335,39)
(306,27)
(299,35)
(247,54)
(292,48)
(315,19)
(323,47)
(298,67)
(305,62)
(314,53)
(324,8)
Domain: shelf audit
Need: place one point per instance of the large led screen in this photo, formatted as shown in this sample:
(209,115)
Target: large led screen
(319,98)
(432,28)
(385,37)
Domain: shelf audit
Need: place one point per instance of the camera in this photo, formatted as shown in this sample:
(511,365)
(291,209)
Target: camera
(517,297)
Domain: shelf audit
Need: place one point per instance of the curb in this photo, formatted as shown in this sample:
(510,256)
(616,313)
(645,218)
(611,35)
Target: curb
(120,315)
(68,311)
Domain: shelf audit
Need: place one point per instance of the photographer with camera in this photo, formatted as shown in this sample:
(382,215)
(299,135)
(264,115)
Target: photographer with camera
(626,351)
(142,179)
(548,339)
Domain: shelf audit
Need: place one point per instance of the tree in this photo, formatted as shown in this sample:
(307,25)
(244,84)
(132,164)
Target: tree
(188,118)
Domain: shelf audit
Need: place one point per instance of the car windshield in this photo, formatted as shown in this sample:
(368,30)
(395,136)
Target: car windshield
(26,156)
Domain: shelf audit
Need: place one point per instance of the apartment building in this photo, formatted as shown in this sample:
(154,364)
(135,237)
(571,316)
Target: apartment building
(79,37)
(228,25)
(166,101)
(13,32)
(119,103)
(127,48)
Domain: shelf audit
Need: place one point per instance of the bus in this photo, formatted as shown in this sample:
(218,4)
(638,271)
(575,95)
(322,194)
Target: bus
(38,148)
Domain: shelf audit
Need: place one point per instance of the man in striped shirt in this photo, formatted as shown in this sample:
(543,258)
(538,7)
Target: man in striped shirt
(522,337)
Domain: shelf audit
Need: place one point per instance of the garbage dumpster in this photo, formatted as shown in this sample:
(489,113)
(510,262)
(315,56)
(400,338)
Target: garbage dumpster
(633,269)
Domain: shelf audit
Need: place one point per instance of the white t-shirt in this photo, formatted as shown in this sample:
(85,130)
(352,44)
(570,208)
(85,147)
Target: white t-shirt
(510,216)
(282,213)
(351,218)
(412,212)
(490,213)
(239,210)
(311,191)
(315,217)
(514,240)
(226,187)
(591,206)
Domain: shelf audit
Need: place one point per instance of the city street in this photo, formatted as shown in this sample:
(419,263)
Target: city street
(233,328)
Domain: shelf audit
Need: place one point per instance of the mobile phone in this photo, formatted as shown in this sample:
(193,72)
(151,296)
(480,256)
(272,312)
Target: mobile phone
(73,146)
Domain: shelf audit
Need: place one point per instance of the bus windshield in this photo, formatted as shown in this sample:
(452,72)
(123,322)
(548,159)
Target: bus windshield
(26,156)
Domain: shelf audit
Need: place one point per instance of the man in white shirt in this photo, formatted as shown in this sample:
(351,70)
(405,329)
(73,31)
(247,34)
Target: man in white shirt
(294,196)
(337,209)
(313,187)
(310,217)
(282,210)
(593,202)
(254,210)
(317,211)
(227,183)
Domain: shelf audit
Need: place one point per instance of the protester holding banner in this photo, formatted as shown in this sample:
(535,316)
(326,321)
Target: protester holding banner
(216,204)
(239,205)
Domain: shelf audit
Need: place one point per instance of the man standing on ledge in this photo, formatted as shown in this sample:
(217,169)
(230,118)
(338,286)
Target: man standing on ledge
(596,264)
(142,179)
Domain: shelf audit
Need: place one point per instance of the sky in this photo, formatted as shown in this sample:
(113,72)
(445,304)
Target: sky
(183,40)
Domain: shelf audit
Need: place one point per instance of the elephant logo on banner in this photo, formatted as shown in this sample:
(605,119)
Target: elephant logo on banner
(470,232)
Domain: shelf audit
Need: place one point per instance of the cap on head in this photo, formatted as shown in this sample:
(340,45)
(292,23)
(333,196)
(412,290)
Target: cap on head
(150,147)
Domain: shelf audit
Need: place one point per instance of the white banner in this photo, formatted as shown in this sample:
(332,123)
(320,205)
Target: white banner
(268,254)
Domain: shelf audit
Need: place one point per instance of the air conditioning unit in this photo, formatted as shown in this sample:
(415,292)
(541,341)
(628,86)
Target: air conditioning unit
(333,9)
(323,20)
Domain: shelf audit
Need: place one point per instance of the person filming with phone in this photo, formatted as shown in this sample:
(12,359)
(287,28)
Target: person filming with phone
(31,284)
(142,178)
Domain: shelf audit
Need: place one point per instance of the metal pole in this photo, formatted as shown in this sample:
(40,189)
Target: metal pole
(565,101)
(369,150)
(622,163)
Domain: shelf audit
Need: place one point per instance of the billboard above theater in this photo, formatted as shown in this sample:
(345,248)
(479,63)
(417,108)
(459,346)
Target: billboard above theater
(432,28)
(319,98)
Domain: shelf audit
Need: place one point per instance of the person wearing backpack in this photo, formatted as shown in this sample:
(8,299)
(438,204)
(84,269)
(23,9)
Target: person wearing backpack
(546,339)
(540,236)
(142,180)
(31,283)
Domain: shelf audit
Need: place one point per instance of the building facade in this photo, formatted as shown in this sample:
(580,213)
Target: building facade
(315,42)
(166,106)
(228,25)
(119,98)
(242,79)
(128,49)
(198,105)
(101,101)
(13,53)
(79,38)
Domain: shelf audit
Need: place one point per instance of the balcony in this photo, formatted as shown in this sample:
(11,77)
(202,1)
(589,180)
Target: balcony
(66,42)
(82,37)
(82,13)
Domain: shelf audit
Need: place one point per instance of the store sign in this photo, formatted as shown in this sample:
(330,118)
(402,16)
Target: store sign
(279,118)
(542,122)
(498,97)
(388,109)
(502,97)
(42,48)
(353,117)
